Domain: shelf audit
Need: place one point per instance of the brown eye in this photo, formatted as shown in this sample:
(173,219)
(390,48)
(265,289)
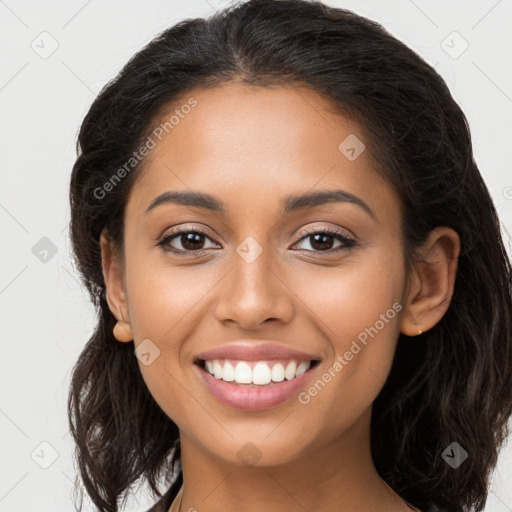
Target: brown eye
(191,241)
(187,241)
(324,240)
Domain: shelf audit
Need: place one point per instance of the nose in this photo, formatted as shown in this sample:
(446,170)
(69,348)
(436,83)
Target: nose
(253,292)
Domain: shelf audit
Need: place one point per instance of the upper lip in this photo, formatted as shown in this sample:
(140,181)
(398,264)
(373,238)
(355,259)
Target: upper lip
(251,350)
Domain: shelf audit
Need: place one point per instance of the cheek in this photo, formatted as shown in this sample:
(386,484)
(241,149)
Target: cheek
(357,307)
(161,296)
(350,298)
(163,303)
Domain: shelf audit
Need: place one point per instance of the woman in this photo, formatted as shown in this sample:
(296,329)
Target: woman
(304,298)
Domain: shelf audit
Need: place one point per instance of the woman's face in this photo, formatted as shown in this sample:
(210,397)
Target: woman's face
(255,277)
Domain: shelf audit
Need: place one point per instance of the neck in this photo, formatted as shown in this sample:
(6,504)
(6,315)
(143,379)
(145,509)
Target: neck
(338,476)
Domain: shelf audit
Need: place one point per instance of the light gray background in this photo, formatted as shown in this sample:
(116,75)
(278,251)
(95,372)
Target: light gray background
(46,316)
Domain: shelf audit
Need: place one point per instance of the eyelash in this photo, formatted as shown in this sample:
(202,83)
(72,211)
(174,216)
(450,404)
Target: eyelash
(346,241)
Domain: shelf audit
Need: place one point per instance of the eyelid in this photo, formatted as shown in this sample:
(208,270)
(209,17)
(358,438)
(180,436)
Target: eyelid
(325,229)
(186,229)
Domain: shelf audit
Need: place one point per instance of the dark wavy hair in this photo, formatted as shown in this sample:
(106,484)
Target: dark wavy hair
(452,384)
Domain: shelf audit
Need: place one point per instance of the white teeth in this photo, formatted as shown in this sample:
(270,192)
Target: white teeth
(228,373)
(278,372)
(261,375)
(290,370)
(243,373)
(217,369)
(302,368)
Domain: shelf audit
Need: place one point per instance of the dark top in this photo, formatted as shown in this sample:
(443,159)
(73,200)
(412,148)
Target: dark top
(166,500)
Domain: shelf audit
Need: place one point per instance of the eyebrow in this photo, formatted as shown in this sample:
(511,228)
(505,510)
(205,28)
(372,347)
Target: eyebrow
(289,204)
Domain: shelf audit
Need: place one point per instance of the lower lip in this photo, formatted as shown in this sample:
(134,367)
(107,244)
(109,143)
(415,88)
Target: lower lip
(253,398)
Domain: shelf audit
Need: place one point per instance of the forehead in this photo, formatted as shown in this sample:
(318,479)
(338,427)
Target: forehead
(246,142)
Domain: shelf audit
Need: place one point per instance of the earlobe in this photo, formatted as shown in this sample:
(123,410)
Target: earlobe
(123,331)
(432,282)
(115,295)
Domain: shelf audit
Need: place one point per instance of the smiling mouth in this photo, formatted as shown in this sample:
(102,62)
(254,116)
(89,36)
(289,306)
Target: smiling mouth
(256,373)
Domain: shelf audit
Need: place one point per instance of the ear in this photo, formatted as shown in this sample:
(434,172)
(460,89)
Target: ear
(432,282)
(115,290)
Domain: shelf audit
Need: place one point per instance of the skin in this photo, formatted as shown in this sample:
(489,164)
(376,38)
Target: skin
(236,142)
